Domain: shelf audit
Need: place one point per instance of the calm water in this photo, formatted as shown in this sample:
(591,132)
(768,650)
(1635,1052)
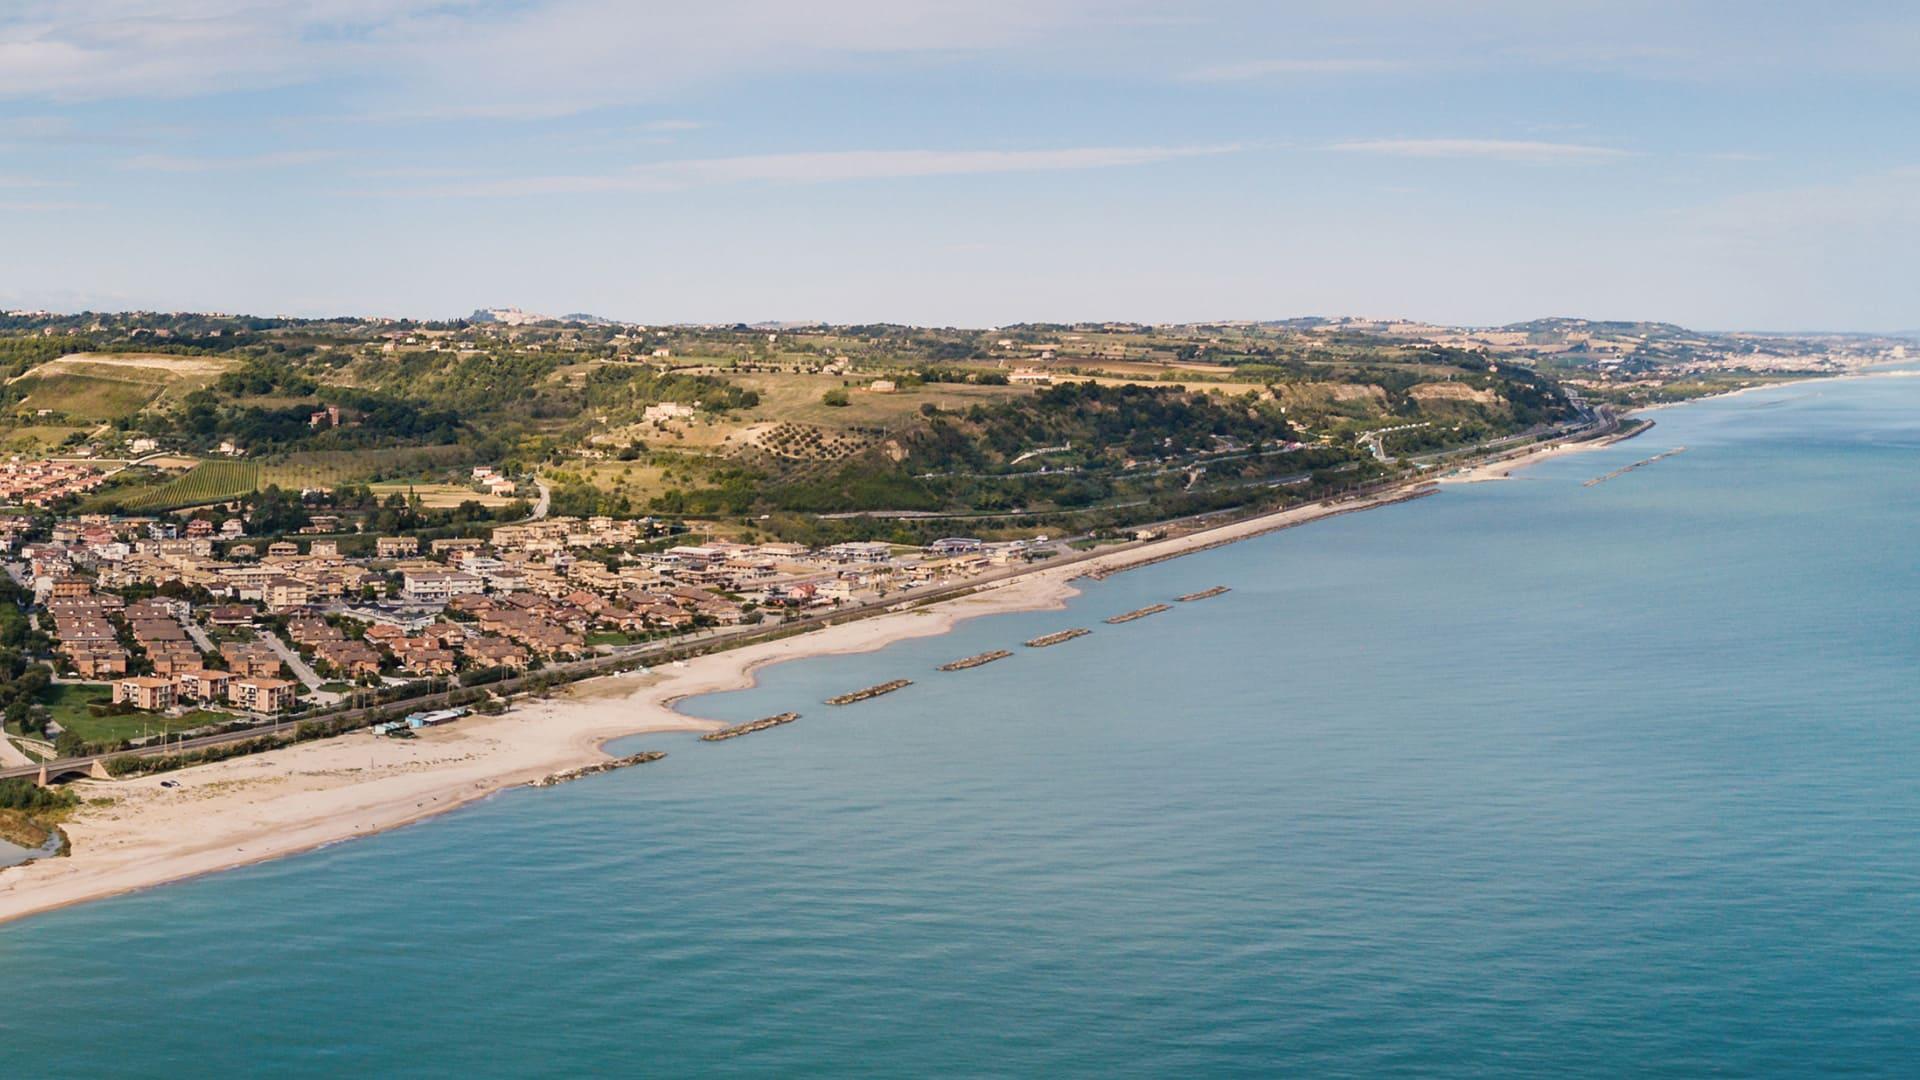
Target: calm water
(1528,777)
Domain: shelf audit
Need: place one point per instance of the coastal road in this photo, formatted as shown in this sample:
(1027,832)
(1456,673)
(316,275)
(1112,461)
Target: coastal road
(1372,440)
(676,648)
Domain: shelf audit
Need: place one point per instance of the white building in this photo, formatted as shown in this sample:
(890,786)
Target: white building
(668,410)
(439,586)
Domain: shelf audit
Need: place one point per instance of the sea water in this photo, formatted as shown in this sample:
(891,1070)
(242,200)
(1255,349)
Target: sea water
(1530,777)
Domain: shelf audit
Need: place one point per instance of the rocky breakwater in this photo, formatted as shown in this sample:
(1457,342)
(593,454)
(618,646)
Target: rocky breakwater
(609,765)
(750,727)
(870,692)
(976,661)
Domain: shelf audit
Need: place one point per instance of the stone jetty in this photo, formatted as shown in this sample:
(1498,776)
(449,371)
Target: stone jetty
(750,727)
(869,692)
(1625,469)
(1139,613)
(976,661)
(599,767)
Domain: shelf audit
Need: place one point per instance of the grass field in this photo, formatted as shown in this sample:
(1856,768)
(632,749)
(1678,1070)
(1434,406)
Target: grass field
(798,398)
(39,437)
(86,397)
(218,481)
(331,468)
(105,386)
(67,705)
(438,495)
(207,482)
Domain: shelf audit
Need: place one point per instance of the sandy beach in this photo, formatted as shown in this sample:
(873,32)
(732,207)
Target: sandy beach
(1503,468)
(134,834)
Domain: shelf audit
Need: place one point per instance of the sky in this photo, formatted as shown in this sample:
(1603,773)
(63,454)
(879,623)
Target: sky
(1725,165)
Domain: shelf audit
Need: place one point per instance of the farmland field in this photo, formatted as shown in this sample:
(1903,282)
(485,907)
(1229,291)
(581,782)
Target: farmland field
(331,468)
(100,386)
(40,438)
(207,482)
(438,496)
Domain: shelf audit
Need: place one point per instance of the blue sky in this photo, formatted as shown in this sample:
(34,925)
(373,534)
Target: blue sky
(1729,165)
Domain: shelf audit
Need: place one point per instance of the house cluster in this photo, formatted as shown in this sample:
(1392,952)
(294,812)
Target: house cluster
(42,483)
(493,482)
(145,649)
(402,607)
(353,649)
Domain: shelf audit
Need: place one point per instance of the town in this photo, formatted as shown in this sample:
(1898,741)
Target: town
(162,627)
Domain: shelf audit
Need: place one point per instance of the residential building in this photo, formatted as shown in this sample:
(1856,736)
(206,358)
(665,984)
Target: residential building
(201,684)
(144,692)
(439,586)
(261,695)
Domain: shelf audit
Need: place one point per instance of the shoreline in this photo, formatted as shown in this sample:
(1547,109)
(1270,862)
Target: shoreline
(310,795)
(134,834)
(1502,468)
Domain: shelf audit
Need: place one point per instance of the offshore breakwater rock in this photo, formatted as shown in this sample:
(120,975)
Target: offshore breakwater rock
(870,692)
(599,767)
(976,661)
(750,727)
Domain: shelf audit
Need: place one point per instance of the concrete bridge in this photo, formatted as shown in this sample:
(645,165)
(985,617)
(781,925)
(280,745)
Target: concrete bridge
(50,773)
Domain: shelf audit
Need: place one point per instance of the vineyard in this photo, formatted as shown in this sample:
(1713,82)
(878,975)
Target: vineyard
(207,482)
(332,468)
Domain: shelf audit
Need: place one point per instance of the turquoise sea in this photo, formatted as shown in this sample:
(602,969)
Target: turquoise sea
(1526,778)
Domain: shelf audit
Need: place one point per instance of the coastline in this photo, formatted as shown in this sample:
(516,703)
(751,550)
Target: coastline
(135,834)
(1502,468)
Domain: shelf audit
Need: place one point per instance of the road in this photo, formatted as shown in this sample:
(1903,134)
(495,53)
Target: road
(545,502)
(12,756)
(625,657)
(198,635)
(1372,440)
(301,669)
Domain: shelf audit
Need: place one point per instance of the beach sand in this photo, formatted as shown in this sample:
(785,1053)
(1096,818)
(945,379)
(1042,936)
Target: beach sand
(135,833)
(1503,468)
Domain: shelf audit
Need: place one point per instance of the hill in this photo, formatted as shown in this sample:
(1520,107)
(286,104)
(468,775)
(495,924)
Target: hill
(110,386)
(791,424)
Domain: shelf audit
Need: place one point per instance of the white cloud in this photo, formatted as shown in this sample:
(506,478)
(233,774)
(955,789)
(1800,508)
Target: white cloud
(538,58)
(1882,206)
(182,164)
(1524,150)
(831,166)
(1262,69)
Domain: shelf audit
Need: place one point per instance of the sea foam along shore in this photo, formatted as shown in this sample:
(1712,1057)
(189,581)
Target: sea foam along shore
(282,802)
